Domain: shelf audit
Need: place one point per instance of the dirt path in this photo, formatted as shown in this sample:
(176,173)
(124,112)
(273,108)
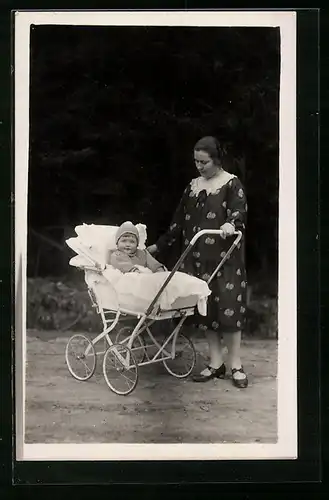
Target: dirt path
(161,409)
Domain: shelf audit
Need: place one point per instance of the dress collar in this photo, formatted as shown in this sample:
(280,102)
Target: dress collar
(211,186)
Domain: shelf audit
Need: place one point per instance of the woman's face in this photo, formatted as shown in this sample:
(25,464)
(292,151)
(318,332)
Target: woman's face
(205,164)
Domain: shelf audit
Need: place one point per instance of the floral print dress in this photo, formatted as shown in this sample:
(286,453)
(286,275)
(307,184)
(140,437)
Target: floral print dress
(208,204)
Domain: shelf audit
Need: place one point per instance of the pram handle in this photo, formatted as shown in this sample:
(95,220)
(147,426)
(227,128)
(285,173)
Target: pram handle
(187,250)
(212,231)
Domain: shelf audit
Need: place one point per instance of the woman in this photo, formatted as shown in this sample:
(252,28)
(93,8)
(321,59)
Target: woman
(214,200)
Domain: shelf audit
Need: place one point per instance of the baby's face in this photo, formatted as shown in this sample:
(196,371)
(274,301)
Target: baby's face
(127,244)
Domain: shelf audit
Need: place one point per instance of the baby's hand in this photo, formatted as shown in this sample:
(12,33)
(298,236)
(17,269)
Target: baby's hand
(145,270)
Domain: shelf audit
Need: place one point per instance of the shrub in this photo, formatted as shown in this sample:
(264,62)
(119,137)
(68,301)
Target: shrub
(262,318)
(56,305)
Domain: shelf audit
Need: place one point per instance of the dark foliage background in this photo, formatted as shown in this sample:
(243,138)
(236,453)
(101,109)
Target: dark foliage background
(114,115)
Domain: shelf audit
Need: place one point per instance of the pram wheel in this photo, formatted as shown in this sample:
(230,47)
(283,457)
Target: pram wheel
(185,358)
(138,347)
(80,357)
(120,369)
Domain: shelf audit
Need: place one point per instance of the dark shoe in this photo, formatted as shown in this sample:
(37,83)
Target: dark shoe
(239,383)
(214,373)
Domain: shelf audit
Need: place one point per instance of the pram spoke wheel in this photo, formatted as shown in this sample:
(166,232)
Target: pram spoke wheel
(120,369)
(138,347)
(185,358)
(80,357)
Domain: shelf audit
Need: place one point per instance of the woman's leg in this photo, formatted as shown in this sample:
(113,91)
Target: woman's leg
(233,344)
(232,340)
(215,351)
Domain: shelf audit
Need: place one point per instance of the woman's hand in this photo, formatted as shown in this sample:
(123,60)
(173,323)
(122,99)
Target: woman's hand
(227,230)
(152,249)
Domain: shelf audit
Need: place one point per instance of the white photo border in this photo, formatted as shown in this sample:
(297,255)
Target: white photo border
(287,443)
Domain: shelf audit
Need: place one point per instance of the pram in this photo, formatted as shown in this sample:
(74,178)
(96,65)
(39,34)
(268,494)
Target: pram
(134,345)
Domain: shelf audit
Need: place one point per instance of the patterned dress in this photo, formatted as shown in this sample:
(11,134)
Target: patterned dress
(208,204)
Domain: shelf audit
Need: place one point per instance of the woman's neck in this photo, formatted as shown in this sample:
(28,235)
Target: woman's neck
(217,173)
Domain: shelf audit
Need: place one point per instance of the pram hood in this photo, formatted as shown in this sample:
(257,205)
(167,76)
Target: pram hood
(93,242)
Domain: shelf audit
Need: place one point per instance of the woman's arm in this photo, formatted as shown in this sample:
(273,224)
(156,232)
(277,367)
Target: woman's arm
(236,205)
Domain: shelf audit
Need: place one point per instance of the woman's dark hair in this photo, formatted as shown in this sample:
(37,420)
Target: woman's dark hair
(211,146)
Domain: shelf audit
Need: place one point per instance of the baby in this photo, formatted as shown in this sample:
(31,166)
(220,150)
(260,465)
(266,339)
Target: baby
(127,257)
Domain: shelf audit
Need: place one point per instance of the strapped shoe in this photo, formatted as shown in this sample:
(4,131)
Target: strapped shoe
(214,373)
(241,383)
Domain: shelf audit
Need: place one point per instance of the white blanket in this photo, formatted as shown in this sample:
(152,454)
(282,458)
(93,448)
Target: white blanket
(136,291)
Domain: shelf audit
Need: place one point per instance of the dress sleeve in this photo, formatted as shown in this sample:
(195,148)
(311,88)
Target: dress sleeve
(236,205)
(176,227)
(152,263)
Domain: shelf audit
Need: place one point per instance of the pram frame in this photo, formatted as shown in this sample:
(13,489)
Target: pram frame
(145,320)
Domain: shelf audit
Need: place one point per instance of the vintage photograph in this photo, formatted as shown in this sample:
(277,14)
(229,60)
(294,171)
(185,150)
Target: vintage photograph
(154,164)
